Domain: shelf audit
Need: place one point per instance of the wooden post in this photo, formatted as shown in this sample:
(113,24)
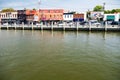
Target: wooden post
(32,25)
(15,25)
(106,26)
(7,26)
(52,25)
(41,26)
(0,25)
(89,26)
(63,27)
(23,25)
(77,26)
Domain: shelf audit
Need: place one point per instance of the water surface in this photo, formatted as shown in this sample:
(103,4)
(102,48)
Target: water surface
(47,55)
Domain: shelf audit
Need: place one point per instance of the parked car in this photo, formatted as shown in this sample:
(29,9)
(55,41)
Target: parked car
(96,23)
(5,24)
(115,23)
(83,23)
(70,24)
(61,24)
(38,24)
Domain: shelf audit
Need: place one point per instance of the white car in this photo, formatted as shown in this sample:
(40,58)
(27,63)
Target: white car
(5,24)
(96,24)
(70,24)
(38,24)
(61,24)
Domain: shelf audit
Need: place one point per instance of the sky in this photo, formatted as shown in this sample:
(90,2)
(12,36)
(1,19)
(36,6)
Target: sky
(72,5)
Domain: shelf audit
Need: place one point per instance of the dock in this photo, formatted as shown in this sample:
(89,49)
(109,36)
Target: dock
(61,28)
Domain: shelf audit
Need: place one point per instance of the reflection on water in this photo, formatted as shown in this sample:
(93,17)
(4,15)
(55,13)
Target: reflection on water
(59,55)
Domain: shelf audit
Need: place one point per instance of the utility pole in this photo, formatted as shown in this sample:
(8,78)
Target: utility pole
(104,6)
(39,3)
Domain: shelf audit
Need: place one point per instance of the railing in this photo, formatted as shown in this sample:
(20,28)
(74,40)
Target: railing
(74,26)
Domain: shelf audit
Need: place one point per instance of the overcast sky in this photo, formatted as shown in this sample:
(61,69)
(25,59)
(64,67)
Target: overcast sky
(75,5)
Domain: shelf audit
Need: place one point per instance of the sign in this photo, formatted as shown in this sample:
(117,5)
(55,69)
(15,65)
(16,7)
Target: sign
(95,15)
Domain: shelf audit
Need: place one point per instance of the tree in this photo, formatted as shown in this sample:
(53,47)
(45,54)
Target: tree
(8,10)
(107,11)
(112,11)
(98,8)
(34,9)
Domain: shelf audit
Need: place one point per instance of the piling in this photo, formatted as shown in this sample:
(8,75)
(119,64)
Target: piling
(23,25)
(77,26)
(41,26)
(7,27)
(89,26)
(0,25)
(32,25)
(15,25)
(51,25)
(106,26)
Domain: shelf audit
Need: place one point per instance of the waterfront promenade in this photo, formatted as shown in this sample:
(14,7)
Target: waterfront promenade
(67,27)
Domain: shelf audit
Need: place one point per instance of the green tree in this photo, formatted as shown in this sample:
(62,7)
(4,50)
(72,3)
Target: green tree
(98,8)
(8,10)
(107,11)
(112,11)
(34,9)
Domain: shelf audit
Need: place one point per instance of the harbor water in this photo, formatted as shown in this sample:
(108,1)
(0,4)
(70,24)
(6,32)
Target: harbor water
(59,55)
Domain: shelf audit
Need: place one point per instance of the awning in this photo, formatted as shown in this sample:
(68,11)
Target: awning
(111,17)
(78,19)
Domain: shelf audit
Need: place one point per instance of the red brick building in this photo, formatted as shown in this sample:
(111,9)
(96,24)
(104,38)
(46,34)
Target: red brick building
(79,17)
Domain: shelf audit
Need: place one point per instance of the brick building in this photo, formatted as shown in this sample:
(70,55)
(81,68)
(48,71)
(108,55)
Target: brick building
(51,14)
(79,17)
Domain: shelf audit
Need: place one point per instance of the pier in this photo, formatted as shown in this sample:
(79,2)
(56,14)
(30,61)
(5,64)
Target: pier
(61,27)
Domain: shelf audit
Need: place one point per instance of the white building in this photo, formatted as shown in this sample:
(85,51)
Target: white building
(8,17)
(111,17)
(68,16)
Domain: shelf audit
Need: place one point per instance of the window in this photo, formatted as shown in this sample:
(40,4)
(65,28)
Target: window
(67,16)
(50,16)
(48,11)
(61,16)
(15,15)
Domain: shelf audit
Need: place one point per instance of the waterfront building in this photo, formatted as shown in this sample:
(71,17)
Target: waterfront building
(48,15)
(79,17)
(111,17)
(119,16)
(97,15)
(21,16)
(9,17)
(30,16)
(68,17)
(0,18)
